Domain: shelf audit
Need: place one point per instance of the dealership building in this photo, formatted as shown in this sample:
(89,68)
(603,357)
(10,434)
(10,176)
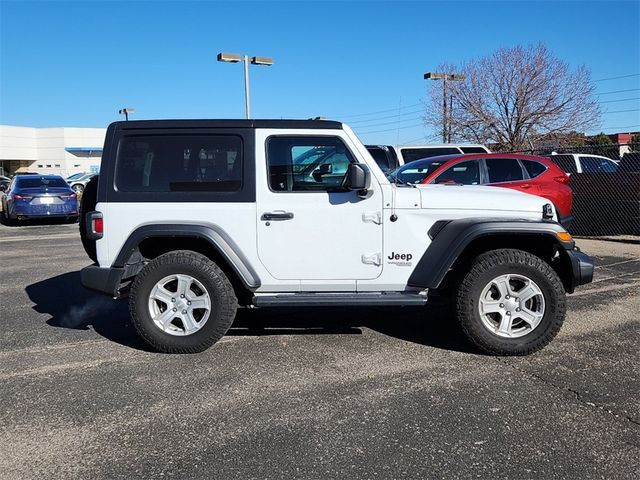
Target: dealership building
(60,151)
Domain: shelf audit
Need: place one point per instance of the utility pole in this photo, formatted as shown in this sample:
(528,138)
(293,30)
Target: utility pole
(446,109)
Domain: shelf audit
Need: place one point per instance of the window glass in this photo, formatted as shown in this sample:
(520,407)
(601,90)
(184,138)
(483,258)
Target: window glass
(463,173)
(418,170)
(307,163)
(37,182)
(533,168)
(565,162)
(503,170)
(411,154)
(473,150)
(597,165)
(179,163)
(381,156)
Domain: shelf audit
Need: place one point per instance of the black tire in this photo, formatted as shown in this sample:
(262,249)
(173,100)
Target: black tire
(88,204)
(223,302)
(491,265)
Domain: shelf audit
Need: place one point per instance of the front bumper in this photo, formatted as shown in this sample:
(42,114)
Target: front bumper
(105,280)
(581,268)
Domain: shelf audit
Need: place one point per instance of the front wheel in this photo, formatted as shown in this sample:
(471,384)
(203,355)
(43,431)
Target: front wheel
(182,302)
(511,302)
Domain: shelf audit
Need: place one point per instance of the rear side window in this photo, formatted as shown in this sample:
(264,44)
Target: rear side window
(565,162)
(301,163)
(533,168)
(179,163)
(503,170)
(473,150)
(597,165)
(411,154)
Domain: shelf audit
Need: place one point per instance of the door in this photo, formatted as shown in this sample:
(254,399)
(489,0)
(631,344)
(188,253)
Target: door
(508,172)
(309,226)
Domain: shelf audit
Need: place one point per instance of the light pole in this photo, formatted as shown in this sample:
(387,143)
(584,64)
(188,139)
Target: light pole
(235,58)
(446,132)
(126,112)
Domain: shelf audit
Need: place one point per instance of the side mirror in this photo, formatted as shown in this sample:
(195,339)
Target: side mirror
(358,177)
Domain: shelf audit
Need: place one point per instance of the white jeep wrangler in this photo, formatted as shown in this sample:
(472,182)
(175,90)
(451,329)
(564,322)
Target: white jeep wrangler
(193,218)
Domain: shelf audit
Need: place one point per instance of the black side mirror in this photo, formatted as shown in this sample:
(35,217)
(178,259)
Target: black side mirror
(358,177)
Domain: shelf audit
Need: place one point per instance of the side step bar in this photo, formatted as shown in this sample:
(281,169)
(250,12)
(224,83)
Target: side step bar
(339,299)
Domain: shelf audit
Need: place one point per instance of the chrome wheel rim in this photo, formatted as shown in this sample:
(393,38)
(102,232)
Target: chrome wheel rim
(511,306)
(179,305)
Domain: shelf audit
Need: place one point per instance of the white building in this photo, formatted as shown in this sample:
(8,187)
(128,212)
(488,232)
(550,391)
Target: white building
(61,151)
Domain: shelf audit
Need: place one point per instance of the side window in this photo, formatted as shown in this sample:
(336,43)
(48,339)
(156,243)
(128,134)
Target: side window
(179,163)
(565,162)
(533,168)
(503,170)
(381,157)
(301,163)
(464,173)
(597,165)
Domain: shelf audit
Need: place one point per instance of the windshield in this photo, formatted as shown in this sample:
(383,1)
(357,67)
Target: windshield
(417,171)
(37,182)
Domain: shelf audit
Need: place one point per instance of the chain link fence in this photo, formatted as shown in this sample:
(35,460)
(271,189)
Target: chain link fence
(605,180)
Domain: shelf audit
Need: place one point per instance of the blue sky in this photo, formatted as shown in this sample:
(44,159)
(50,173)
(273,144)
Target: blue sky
(77,63)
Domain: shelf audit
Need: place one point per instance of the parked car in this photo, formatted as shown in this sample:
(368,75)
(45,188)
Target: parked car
(39,196)
(75,176)
(79,184)
(527,173)
(584,163)
(390,157)
(4,183)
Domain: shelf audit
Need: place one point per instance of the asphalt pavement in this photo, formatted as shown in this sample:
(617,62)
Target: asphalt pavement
(308,393)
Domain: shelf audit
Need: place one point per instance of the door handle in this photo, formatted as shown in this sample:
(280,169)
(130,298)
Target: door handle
(277,216)
(526,185)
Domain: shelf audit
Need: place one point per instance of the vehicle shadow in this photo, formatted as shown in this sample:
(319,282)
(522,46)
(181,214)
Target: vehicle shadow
(72,306)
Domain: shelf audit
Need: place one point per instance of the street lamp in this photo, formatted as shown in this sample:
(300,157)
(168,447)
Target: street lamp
(126,112)
(235,58)
(446,132)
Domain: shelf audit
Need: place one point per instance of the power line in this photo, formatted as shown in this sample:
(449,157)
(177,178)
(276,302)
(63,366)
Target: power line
(616,78)
(394,129)
(625,111)
(621,100)
(619,91)
(387,116)
(394,122)
(379,111)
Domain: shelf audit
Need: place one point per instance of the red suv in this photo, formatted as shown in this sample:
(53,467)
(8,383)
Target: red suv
(527,173)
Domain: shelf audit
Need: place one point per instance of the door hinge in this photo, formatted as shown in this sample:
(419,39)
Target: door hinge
(373,217)
(372,259)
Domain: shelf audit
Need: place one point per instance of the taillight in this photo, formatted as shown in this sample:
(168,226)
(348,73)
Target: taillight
(21,197)
(562,179)
(95,225)
(67,197)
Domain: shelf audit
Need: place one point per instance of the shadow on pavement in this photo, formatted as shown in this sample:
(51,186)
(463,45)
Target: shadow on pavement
(75,307)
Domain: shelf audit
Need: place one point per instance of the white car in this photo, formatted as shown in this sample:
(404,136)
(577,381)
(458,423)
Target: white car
(193,218)
(390,157)
(584,163)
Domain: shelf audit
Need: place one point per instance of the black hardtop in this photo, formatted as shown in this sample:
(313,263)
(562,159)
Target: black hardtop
(229,123)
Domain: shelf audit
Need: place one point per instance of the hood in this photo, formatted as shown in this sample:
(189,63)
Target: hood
(483,198)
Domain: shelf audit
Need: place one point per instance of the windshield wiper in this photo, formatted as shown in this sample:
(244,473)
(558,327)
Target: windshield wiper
(397,180)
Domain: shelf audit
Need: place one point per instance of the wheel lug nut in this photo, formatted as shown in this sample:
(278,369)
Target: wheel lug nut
(173,299)
(184,311)
(502,305)
(507,297)
(181,296)
(508,313)
(517,309)
(175,309)
(188,303)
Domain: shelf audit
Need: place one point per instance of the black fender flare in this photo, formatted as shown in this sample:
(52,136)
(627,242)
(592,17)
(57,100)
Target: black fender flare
(213,234)
(450,238)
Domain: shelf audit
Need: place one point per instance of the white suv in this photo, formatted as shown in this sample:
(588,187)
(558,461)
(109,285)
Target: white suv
(584,163)
(193,218)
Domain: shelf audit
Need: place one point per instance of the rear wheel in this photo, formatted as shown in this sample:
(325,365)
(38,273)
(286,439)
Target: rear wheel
(88,204)
(510,302)
(78,188)
(182,302)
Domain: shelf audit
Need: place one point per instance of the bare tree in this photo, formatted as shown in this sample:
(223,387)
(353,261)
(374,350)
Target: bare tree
(513,96)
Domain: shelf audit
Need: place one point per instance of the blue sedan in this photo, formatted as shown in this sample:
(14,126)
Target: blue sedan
(39,196)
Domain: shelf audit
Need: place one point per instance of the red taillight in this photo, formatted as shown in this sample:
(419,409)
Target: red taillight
(564,179)
(95,225)
(21,197)
(67,197)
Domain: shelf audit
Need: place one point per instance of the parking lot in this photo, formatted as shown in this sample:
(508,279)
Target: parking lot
(334,393)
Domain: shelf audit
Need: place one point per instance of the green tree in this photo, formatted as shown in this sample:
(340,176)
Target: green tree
(604,146)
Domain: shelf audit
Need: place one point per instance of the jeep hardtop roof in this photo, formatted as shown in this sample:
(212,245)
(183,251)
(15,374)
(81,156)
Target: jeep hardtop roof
(228,123)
